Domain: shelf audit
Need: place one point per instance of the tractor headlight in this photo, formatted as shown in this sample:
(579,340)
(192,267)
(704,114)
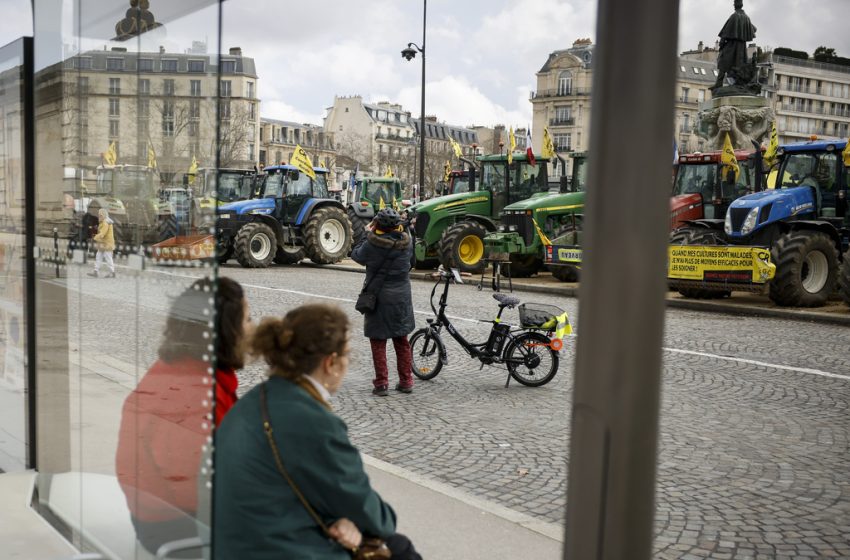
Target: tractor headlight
(261,211)
(727,224)
(512,228)
(750,221)
(224,216)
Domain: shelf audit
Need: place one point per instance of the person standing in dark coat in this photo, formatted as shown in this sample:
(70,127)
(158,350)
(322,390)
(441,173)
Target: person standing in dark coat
(386,252)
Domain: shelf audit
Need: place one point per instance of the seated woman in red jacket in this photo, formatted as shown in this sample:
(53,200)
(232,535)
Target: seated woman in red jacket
(165,422)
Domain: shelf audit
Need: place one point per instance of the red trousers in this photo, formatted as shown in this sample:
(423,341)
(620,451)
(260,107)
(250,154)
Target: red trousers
(404,360)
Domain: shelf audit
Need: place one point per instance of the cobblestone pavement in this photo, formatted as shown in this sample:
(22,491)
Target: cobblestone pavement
(753,461)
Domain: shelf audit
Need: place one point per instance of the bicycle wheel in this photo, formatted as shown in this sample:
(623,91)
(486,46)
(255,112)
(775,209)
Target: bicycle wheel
(426,349)
(531,360)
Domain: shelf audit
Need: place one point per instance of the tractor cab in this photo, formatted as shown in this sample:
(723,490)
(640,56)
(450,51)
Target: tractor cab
(821,169)
(371,194)
(701,192)
(509,183)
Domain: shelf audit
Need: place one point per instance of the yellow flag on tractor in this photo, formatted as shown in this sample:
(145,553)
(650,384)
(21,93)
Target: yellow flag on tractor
(543,237)
(773,147)
(548,146)
(151,156)
(389,172)
(111,155)
(447,171)
(193,170)
(301,160)
(456,147)
(381,203)
(728,160)
(511,145)
(846,154)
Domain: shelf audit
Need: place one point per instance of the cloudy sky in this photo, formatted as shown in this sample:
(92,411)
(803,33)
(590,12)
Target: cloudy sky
(482,54)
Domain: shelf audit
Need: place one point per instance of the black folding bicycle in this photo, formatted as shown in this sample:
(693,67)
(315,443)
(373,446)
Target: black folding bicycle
(528,351)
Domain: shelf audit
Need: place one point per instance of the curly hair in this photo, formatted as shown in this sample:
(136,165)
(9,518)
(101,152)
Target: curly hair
(296,343)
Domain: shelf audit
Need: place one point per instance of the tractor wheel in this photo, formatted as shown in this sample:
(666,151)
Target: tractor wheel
(698,236)
(168,227)
(358,228)
(224,256)
(565,272)
(327,235)
(523,266)
(254,245)
(844,278)
(806,269)
(462,247)
(289,254)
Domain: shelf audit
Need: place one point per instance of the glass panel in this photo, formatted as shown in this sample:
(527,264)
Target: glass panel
(127,277)
(13,409)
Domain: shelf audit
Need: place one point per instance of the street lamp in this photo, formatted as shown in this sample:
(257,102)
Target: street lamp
(409,54)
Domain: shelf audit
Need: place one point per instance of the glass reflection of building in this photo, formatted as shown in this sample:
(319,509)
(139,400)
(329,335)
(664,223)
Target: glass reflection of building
(125,101)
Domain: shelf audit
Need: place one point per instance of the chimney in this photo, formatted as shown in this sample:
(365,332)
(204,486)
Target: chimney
(701,46)
(236,51)
(161,49)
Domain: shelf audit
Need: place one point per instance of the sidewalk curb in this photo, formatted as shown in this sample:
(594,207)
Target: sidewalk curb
(550,530)
(676,303)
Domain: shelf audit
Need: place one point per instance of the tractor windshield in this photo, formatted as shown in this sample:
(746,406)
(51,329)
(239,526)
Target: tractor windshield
(230,187)
(696,179)
(132,183)
(460,184)
(321,186)
(376,192)
(815,169)
(493,176)
(298,183)
(273,185)
(528,180)
(579,174)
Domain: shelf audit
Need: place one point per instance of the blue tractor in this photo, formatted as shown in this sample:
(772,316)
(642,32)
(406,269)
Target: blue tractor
(289,216)
(802,218)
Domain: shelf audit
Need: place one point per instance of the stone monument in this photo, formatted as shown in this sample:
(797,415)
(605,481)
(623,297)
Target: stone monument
(736,107)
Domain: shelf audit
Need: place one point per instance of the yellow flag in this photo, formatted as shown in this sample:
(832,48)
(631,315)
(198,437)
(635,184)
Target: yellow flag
(389,172)
(511,145)
(456,147)
(773,147)
(728,160)
(301,160)
(193,170)
(548,146)
(447,171)
(151,156)
(846,154)
(543,238)
(381,204)
(111,155)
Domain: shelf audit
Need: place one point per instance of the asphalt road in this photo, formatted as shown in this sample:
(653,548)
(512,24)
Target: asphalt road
(753,461)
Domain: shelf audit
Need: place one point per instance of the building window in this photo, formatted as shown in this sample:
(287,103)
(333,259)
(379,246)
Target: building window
(168,87)
(84,63)
(114,107)
(144,108)
(250,90)
(114,86)
(83,84)
(144,128)
(144,87)
(252,112)
(114,64)
(168,118)
(145,65)
(194,108)
(196,66)
(224,109)
(562,115)
(228,66)
(251,152)
(169,65)
(565,83)
(701,95)
(195,88)
(563,142)
(193,128)
(225,89)
(685,93)
(114,128)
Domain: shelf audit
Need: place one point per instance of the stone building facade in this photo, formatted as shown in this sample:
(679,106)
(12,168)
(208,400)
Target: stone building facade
(279,138)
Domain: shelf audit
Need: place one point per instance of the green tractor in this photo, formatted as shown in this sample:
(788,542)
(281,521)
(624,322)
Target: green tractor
(451,229)
(370,195)
(557,216)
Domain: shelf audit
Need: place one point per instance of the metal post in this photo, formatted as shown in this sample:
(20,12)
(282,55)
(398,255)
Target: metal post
(610,500)
(422,108)
(29,251)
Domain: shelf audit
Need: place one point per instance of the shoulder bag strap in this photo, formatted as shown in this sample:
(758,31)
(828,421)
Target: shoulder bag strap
(267,428)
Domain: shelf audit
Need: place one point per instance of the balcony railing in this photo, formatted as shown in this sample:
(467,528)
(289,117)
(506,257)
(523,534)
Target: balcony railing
(815,111)
(393,137)
(563,148)
(688,100)
(562,121)
(560,92)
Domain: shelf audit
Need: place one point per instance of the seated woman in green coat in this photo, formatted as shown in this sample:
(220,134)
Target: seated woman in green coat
(257,513)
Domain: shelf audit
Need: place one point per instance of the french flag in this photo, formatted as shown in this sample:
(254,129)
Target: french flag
(529,149)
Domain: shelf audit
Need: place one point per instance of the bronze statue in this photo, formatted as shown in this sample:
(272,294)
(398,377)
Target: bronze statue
(734,36)
(138,20)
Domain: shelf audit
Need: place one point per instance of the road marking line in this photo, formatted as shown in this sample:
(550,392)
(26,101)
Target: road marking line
(762,364)
(809,371)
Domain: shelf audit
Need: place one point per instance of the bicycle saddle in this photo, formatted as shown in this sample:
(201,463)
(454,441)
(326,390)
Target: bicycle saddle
(506,300)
